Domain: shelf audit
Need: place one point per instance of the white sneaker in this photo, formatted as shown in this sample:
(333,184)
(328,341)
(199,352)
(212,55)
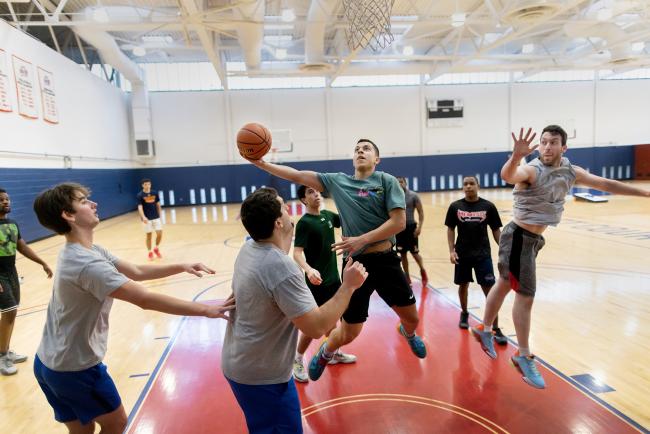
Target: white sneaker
(340,357)
(299,372)
(16,358)
(7,366)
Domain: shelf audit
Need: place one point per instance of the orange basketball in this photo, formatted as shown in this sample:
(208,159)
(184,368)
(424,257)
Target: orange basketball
(253,141)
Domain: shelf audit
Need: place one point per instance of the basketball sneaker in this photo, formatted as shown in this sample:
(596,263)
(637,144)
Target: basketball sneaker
(424,278)
(157,252)
(150,256)
(318,363)
(528,368)
(464,320)
(299,373)
(415,342)
(499,337)
(7,366)
(341,357)
(16,358)
(486,339)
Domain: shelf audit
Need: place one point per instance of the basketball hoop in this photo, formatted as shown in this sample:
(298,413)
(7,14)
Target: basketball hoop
(368,23)
(273,158)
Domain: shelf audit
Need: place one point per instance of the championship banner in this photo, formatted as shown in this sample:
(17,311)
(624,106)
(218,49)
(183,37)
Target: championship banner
(48,96)
(5,102)
(24,76)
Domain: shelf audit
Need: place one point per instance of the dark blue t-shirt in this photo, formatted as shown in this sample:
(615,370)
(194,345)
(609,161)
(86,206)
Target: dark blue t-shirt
(149,203)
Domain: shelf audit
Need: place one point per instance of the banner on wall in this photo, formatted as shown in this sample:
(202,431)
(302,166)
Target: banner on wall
(24,76)
(48,96)
(5,102)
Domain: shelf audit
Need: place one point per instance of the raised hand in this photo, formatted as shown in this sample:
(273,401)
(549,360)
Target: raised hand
(522,146)
(197,269)
(354,274)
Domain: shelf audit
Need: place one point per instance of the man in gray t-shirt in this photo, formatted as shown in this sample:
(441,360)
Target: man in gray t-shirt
(68,364)
(407,240)
(540,189)
(273,303)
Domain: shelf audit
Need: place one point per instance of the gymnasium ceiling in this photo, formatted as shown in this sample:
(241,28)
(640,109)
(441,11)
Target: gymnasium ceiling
(488,35)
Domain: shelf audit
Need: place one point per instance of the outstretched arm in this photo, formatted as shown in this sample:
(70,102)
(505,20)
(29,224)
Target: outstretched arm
(609,185)
(149,272)
(302,177)
(30,254)
(512,172)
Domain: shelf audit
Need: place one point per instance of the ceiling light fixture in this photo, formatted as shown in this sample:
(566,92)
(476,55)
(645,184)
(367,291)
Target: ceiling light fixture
(139,51)
(527,48)
(408,50)
(100,14)
(280,53)
(458,19)
(288,15)
(638,46)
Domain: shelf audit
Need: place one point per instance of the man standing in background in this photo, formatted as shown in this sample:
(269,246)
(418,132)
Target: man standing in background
(149,209)
(407,240)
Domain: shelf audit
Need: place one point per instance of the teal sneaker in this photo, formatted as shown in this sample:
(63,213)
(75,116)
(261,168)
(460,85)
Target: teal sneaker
(486,339)
(528,368)
(415,342)
(318,363)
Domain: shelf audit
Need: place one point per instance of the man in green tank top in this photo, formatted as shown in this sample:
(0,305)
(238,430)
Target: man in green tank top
(312,251)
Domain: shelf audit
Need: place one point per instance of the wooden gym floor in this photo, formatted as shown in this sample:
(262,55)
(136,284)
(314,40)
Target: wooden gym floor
(591,325)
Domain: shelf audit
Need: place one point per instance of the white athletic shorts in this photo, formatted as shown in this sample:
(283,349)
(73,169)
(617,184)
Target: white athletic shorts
(152,225)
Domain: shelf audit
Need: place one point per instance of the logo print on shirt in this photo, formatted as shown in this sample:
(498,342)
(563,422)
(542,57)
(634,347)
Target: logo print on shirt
(471,216)
(373,191)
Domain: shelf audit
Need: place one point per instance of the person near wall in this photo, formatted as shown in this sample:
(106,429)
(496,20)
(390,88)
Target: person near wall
(149,209)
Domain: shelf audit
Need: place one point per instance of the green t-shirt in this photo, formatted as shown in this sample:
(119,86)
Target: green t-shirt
(363,204)
(9,236)
(315,234)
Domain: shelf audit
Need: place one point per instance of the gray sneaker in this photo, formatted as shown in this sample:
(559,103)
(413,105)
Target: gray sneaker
(16,358)
(486,339)
(299,372)
(340,357)
(7,366)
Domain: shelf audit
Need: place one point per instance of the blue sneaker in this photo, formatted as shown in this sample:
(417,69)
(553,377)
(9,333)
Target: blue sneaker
(528,368)
(415,342)
(486,339)
(318,363)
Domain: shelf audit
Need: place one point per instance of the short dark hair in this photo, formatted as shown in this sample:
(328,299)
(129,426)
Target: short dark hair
(145,180)
(259,211)
(478,182)
(371,142)
(2,190)
(50,204)
(302,192)
(556,130)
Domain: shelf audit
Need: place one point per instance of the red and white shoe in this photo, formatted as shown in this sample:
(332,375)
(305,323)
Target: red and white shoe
(157,252)
(150,256)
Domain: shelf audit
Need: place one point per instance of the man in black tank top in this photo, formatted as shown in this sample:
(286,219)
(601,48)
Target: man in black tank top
(540,189)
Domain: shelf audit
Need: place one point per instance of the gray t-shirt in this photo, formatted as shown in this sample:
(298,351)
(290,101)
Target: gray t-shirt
(76,328)
(270,291)
(412,199)
(542,203)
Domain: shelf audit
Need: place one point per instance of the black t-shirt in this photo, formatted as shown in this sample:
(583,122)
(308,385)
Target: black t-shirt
(149,203)
(9,236)
(472,219)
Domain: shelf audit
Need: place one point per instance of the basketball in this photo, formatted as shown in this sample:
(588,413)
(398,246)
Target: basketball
(253,141)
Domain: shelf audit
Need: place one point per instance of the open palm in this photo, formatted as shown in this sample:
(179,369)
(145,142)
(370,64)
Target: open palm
(522,146)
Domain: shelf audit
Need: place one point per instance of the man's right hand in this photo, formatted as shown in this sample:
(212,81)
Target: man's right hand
(222,310)
(314,276)
(453,257)
(522,146)
(145,220)
(354,274)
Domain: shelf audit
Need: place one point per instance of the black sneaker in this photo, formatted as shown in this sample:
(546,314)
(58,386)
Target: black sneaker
(464,316)
(499,337)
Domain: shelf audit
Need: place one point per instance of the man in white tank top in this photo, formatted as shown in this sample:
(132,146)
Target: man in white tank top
(540,190)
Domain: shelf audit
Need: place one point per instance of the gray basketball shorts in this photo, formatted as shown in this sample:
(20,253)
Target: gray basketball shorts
(518,250)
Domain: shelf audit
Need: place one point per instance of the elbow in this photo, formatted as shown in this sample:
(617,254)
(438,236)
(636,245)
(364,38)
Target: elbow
(400,222)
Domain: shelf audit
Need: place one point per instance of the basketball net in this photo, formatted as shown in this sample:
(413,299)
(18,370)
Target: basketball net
(368,23)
